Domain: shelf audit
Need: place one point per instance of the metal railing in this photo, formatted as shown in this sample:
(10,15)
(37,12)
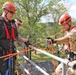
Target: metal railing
(64,63)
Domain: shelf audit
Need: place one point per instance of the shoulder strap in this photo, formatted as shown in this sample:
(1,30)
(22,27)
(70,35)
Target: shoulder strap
(73,27)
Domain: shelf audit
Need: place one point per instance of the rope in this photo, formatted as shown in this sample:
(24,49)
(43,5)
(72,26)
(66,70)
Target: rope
(51,44)
(14,54)
(24,50)
(50,36)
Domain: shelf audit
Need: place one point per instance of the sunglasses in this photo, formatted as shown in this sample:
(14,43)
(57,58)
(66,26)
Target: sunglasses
(11,12)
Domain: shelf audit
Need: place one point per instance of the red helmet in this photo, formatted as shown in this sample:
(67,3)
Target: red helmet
(64,19)
(9,6)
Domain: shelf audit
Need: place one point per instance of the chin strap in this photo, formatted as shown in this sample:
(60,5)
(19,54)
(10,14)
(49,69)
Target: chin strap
(6,15)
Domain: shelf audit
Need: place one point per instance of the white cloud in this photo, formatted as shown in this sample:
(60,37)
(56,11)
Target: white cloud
(47,18)
(72,11)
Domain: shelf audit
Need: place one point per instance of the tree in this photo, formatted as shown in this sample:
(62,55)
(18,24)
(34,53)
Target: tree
(56,9)
(1,4)
(30,11)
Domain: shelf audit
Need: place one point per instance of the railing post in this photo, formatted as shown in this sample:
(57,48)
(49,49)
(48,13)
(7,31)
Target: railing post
(63,69)
(63,61)
(23,58)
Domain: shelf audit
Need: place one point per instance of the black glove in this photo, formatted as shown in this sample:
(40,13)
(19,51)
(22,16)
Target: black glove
(53,40)
(66,51)
(27,43)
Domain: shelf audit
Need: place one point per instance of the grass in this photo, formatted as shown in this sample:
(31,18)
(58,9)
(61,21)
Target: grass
(39,57)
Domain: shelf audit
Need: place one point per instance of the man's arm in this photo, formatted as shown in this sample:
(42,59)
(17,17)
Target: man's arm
(20,39)
(62,40)
(23,40)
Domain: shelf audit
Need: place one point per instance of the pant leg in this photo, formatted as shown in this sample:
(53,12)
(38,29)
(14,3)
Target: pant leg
(12,67)
(3,65)
(59,69)
(71,71)
(14,63)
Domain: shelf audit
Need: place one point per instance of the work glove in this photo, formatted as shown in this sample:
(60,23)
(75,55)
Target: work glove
(27,43)
(51,39)
(66,51)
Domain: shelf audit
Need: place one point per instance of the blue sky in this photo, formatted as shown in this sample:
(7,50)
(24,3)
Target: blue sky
(71,1)
(72,10)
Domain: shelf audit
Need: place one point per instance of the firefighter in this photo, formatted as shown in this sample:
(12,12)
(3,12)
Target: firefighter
(8,34)
(69,39)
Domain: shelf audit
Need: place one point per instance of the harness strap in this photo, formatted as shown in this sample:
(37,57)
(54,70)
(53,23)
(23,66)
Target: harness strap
(7,33)
(9,64)
(13,33)
(8,36)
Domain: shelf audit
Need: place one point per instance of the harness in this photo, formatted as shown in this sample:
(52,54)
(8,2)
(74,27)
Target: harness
(72,55)
(7,36)
(8,33)
(68,45)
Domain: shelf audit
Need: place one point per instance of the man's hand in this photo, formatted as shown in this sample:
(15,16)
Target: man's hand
(27,43)
(51,39)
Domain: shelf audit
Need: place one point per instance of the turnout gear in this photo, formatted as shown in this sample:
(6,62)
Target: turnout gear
(8,33)
(68,44)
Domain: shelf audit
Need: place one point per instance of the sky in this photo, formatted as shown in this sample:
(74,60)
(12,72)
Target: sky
(72,10)
(71,1)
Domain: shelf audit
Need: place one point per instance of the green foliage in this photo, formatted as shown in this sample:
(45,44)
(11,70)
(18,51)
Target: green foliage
(1,4)
(30,12)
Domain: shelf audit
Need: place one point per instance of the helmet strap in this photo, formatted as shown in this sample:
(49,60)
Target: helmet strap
(6,15)
(69,27)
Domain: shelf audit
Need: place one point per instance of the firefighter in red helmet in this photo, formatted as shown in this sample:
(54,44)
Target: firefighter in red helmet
(8,34)
(68,39)
(8,7)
